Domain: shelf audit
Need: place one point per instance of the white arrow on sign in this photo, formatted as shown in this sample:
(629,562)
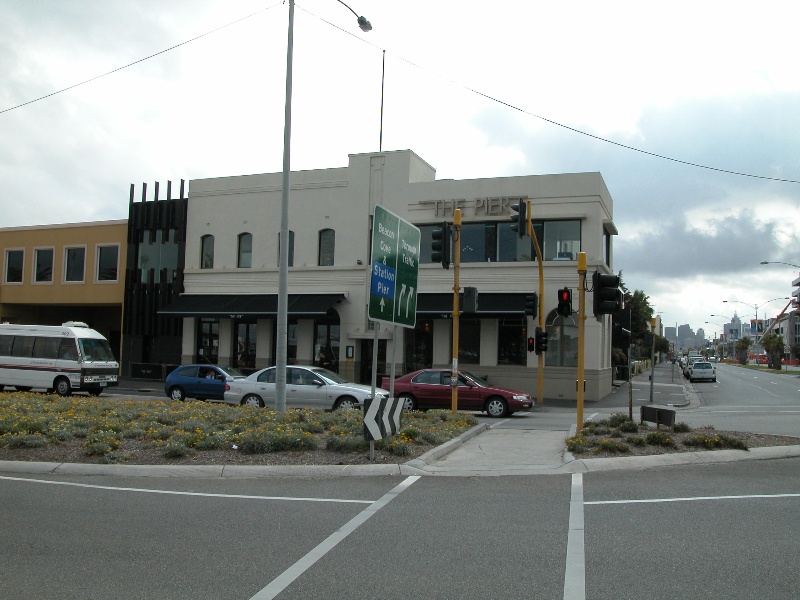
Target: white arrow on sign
(382,418)
(371,420)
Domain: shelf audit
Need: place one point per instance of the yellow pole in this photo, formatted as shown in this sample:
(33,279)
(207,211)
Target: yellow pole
(456,290)
(540,358)
(581,339)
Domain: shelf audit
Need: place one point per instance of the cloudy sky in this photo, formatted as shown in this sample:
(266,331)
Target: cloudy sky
(689,110)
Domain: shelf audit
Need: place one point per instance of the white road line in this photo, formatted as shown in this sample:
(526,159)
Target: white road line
(575,571)
(175,493)
(695,499)
(280,583)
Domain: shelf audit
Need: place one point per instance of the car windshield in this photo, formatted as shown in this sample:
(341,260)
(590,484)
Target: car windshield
(96,350)
(231,372)
(479,381)
(329,376)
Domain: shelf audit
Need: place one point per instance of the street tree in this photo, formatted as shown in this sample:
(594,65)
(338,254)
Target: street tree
(773,345)
(742,346)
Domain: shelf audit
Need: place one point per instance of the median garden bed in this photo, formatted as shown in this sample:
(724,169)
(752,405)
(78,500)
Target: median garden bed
(621,436)
(42,427)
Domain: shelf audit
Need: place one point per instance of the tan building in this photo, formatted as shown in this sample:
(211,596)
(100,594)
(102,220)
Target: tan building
(71,272)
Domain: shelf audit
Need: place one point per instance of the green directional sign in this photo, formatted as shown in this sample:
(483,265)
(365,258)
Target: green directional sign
(395,269)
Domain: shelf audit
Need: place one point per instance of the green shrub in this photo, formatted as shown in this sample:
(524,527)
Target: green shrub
(659,438)
(24,440)
(614,446)
(681,428)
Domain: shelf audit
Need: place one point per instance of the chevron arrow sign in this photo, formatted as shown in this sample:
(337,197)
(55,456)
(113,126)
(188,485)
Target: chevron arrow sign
(382,418)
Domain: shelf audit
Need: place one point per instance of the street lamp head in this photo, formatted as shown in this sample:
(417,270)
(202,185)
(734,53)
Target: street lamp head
(364,24)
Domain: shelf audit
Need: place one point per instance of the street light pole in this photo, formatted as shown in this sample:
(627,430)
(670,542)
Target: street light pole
(282,321)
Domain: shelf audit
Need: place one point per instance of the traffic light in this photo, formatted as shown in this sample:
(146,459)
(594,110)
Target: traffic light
(440,246)
(520,220)
(606,296)
(532,305)
(531,344)
(541,340)
(564,302)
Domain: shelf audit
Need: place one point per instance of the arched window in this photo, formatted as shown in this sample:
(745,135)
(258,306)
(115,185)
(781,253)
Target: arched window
(245,252)
(327,243)
(562,340)
(207,252)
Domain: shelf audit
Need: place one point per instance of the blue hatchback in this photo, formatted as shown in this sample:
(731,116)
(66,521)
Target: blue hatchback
(204,382)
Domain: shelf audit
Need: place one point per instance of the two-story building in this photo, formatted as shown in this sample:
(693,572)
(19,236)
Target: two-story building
(231,271)
(71,272)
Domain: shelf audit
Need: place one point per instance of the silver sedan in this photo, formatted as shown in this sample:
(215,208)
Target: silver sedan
(306,387)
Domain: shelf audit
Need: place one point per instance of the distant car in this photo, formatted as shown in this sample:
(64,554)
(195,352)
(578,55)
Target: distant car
(306,387)
(702,369)
(712,359)
(688,365)
(430,388)
(204,382)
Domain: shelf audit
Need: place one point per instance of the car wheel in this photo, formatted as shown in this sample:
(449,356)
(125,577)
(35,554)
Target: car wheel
(691,379)
(252,400)
(409,403)
(496,407)
(63,388)
(177,393)
(715,380)
(346,402)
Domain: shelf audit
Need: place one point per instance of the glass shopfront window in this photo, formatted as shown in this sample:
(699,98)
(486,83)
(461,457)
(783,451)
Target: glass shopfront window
(512,342)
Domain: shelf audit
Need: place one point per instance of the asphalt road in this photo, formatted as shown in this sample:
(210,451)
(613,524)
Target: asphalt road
(690,531)
(719,531)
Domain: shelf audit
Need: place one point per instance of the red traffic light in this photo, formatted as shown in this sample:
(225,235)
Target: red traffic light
(564,302)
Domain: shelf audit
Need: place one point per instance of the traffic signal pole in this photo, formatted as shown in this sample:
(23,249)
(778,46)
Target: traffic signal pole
(540,357)
(456,290)
(581,325)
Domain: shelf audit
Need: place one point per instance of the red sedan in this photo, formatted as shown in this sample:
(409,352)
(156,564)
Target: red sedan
(430,388)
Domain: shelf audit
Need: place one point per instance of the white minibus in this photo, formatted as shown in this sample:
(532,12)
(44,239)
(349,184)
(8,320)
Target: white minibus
(63,359)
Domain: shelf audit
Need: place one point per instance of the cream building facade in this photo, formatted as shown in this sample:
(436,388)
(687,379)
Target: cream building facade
(229,301)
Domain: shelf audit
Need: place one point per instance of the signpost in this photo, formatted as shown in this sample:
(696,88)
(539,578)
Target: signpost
(394,271)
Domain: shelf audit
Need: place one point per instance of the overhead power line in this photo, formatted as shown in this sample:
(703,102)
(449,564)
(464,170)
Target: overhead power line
(466,87)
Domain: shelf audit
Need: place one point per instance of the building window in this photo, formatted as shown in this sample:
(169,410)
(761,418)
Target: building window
(562,341)
(207,252)
(74,264)
(43,265)
(158,254)
(245,252)
(419,346)
(326,345)
(469,341)
(327,243)
(208,341)
(558,240)
(107,263)
(14,262)
(496,242)
(244,350)
(511,247)
(512,342)
(291,248)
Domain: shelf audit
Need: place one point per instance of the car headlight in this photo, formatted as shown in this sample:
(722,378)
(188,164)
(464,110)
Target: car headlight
(521,397)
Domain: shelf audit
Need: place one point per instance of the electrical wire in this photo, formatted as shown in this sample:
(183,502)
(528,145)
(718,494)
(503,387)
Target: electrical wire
(463,86)
(136,62)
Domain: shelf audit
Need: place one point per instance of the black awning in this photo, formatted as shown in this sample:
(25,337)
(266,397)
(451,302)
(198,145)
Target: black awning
(252,305)
(489,304)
